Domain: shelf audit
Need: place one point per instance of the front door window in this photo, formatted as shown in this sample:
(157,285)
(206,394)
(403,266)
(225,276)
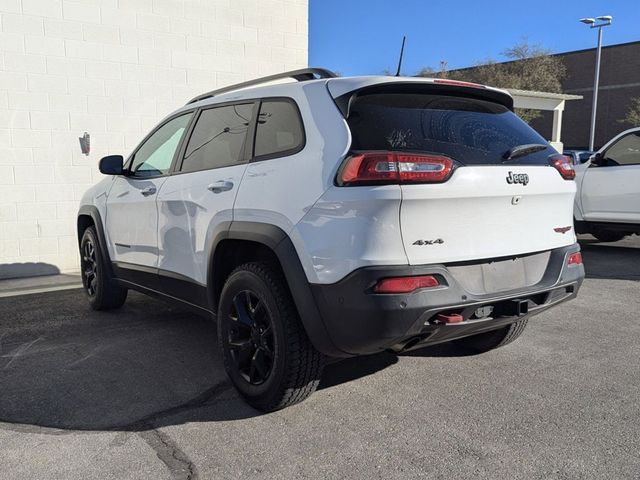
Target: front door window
(625,151)
(156,154)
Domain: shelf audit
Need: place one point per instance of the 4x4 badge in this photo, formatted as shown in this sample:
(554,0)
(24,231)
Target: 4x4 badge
(437,241)
(522,178)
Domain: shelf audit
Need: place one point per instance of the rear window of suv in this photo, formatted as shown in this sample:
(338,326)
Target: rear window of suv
(471,131)
(279,131)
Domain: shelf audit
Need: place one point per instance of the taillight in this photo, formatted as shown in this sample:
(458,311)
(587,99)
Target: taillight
(376,168)
(564,165)
(575,259)
(405,284)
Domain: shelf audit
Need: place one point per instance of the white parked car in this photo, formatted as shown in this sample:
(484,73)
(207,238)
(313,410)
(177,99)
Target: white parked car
(607,203)
(333,217)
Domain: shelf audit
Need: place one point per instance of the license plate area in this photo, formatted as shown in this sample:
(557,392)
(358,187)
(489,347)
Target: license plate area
(501,275)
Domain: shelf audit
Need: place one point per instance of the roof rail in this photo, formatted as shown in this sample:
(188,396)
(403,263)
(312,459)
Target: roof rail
(301,75)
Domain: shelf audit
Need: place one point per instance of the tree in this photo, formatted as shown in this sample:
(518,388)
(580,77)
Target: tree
(633,113)
(530,67)
(442,72)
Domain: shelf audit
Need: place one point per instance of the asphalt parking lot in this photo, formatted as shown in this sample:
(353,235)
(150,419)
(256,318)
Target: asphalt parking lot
(142,394)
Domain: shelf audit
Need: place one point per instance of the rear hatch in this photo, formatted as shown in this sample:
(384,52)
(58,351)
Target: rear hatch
(487,206)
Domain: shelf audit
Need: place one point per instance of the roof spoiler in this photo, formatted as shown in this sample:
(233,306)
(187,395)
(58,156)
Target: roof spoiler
(302,75)
(462,89)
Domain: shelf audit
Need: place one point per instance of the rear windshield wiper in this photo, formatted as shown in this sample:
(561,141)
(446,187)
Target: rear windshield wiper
(522,150)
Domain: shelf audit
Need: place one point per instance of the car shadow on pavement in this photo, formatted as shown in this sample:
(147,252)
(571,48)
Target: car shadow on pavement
(447,349)
(350,369)
(615,261)
(63,366)
(144,366)
(347,370)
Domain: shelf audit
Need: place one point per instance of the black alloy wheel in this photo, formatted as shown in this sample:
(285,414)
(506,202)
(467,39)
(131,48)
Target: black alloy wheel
(89,267)
(251,337)
(102,291)
(265,349)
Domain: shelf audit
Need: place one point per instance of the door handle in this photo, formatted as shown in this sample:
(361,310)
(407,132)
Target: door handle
(148,191)
(220,186)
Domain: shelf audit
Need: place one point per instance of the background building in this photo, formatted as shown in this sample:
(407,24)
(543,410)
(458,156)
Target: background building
(619,82)
(112,68)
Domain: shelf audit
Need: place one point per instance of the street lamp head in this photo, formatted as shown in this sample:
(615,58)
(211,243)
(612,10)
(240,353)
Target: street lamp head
(588,21)
(605,18)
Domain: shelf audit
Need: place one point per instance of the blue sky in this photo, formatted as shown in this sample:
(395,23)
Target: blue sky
(356,37)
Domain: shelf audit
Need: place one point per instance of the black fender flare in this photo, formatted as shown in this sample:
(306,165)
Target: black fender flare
(279,242)
(93,212)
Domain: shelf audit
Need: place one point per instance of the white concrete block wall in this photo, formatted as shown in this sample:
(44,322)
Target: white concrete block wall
(112,68)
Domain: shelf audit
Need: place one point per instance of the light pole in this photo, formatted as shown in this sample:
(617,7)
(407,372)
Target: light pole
(604,21)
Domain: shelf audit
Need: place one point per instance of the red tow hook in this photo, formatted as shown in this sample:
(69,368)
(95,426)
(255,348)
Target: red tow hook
(449,318)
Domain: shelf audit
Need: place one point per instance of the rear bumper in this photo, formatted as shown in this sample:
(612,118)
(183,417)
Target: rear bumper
(359,321)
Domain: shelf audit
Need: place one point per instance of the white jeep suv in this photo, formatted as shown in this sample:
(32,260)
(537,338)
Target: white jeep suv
(607,204)
(333,217)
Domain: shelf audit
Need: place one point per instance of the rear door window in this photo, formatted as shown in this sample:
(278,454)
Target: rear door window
(279,131)
(471,131)
(218,138)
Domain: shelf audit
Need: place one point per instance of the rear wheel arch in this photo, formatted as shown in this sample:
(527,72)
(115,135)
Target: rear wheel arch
(230,253)
(253,241)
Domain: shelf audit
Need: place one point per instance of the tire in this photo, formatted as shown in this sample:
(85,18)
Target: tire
(265,349)
(483,342)
(103,293)
(608,235)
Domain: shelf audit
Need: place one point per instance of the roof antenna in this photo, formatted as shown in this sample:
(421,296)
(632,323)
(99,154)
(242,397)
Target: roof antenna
(401,53)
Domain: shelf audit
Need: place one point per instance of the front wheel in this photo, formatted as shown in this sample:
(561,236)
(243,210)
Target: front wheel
(266,351)
(103,293)
(483,342)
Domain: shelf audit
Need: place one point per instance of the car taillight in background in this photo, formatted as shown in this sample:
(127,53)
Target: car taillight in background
(564,165)
(575,259)
(380,168)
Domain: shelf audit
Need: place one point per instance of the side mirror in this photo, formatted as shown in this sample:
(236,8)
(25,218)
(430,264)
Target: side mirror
(596,160)
(584,158)
(111,165)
